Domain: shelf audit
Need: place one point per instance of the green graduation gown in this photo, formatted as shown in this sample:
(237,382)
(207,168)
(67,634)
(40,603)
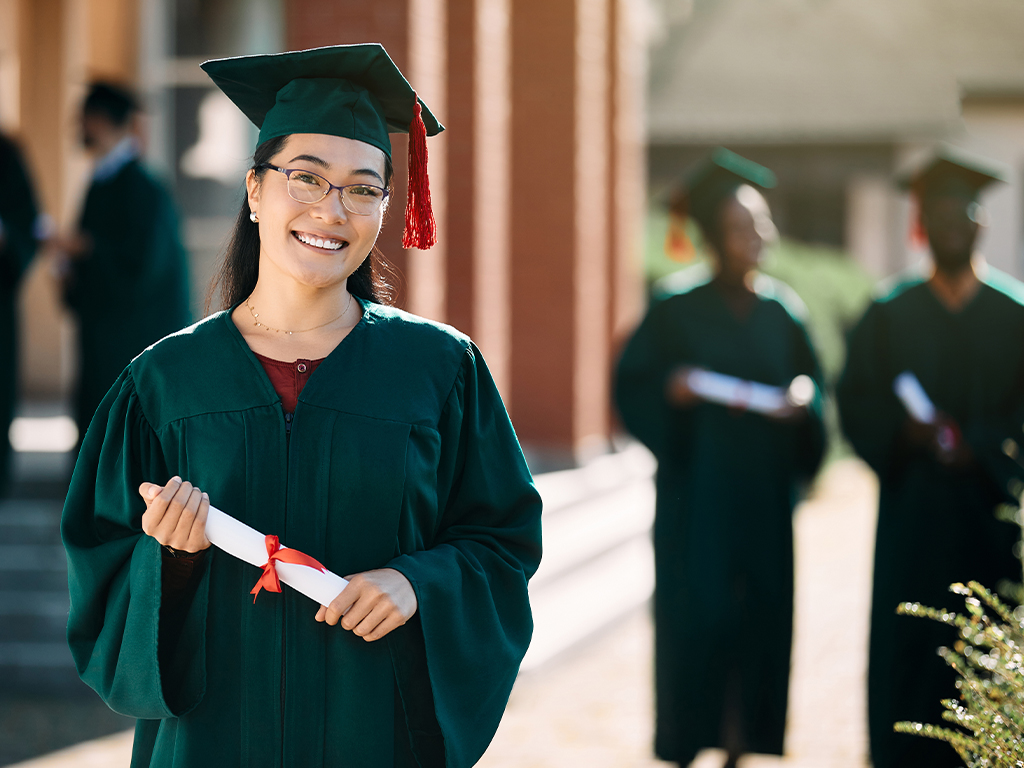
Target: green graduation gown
(132,288)
(727,483)
(935,524)
(18,217)
(400,455)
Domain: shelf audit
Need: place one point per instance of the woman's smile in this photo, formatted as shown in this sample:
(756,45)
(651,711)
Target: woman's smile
(320,242)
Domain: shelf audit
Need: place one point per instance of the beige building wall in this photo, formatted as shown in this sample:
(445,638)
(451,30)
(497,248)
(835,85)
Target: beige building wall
(995,128)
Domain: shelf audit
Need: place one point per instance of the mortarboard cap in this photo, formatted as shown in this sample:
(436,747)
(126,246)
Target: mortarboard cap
(353,91)
(714,179)
(950,171)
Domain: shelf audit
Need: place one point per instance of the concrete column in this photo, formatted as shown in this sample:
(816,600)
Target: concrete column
(113,28)
(51,54)
(627,203)
(413,32)
(476,228)
(560,232)
(868,204)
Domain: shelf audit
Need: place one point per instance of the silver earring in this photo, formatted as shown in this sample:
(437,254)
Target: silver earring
(252,217)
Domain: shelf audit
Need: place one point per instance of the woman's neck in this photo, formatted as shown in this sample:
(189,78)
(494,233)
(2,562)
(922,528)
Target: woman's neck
(955,289)
(737,291)
(287,306)
(285,320)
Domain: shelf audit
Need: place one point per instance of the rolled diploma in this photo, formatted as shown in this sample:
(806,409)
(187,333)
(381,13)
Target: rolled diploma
(910,392)
(737,393)
(239,540)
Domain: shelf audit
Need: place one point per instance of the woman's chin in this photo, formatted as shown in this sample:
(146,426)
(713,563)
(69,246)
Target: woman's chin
(321,276)
(320,281)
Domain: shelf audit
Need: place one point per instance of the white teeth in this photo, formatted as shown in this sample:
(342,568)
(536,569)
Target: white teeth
(329,245)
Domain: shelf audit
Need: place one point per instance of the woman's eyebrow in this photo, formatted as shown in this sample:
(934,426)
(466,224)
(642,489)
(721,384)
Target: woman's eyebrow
(327,166)
(368,172)
(312,159)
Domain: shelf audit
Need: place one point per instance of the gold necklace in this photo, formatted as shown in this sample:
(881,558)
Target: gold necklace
(258,324)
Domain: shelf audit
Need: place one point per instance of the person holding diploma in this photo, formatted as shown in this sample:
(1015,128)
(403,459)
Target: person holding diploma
(367,438)
(728,475)
(959,330)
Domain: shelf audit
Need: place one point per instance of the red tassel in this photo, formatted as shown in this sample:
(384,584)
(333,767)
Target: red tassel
(420,227)
(918,236)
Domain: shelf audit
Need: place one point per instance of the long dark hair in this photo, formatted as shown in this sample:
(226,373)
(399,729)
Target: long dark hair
(236,277)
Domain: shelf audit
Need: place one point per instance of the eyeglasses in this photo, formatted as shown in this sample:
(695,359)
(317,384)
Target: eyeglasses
(308,187)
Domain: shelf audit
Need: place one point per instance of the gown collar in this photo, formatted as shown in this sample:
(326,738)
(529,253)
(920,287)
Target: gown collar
(332,362)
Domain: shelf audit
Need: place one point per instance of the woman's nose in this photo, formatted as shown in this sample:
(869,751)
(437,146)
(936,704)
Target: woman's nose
(331,208)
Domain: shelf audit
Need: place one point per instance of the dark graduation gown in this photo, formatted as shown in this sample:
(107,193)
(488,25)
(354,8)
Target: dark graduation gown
(727,483)
(400,455)
(935,524)
(18,214)
(132,289)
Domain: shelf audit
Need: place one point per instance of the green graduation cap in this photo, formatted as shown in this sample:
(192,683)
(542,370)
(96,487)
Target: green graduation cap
(712,180)
(354,91)
(950,171)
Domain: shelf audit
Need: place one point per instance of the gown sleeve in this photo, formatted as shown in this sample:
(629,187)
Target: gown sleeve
(471,582)
(640,381)
(872,417)
(143,662)
(812,439)
(995,438)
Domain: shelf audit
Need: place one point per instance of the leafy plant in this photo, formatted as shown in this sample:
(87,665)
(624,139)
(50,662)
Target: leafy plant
(989,657)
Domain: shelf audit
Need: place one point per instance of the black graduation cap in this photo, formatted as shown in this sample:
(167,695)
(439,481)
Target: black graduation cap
(354,91)
(951,172)
(712,180)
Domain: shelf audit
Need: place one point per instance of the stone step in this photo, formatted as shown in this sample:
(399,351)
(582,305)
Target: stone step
(586,530)
(34,629)
(598,563)
(36,580)
(54,655)
(50,680)
(567,488)
(31,557)
(18,604)
(589,599)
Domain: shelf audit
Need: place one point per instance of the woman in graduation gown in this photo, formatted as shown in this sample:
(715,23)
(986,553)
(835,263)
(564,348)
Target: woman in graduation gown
(365,437)
(727,478)
(960,331)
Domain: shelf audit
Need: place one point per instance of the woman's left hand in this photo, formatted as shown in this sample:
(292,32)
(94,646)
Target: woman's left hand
(373,604)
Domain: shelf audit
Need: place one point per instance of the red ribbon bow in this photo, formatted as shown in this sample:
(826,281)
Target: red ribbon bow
(269,580)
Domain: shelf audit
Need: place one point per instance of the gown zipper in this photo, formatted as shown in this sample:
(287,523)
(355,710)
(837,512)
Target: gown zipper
(284,634)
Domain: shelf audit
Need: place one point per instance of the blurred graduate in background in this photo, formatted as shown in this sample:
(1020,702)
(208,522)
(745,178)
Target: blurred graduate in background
(18,231)
(721,382)
(956,332)
(125,270)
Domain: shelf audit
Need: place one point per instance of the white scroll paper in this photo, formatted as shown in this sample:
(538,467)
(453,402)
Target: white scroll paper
(736,393)
(910,392)
(239,540)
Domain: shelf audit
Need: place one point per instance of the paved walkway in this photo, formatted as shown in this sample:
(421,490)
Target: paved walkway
(594,709)
(591,707)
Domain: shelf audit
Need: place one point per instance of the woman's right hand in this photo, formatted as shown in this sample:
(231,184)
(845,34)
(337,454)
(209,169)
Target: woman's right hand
(176,514)
(678,389)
